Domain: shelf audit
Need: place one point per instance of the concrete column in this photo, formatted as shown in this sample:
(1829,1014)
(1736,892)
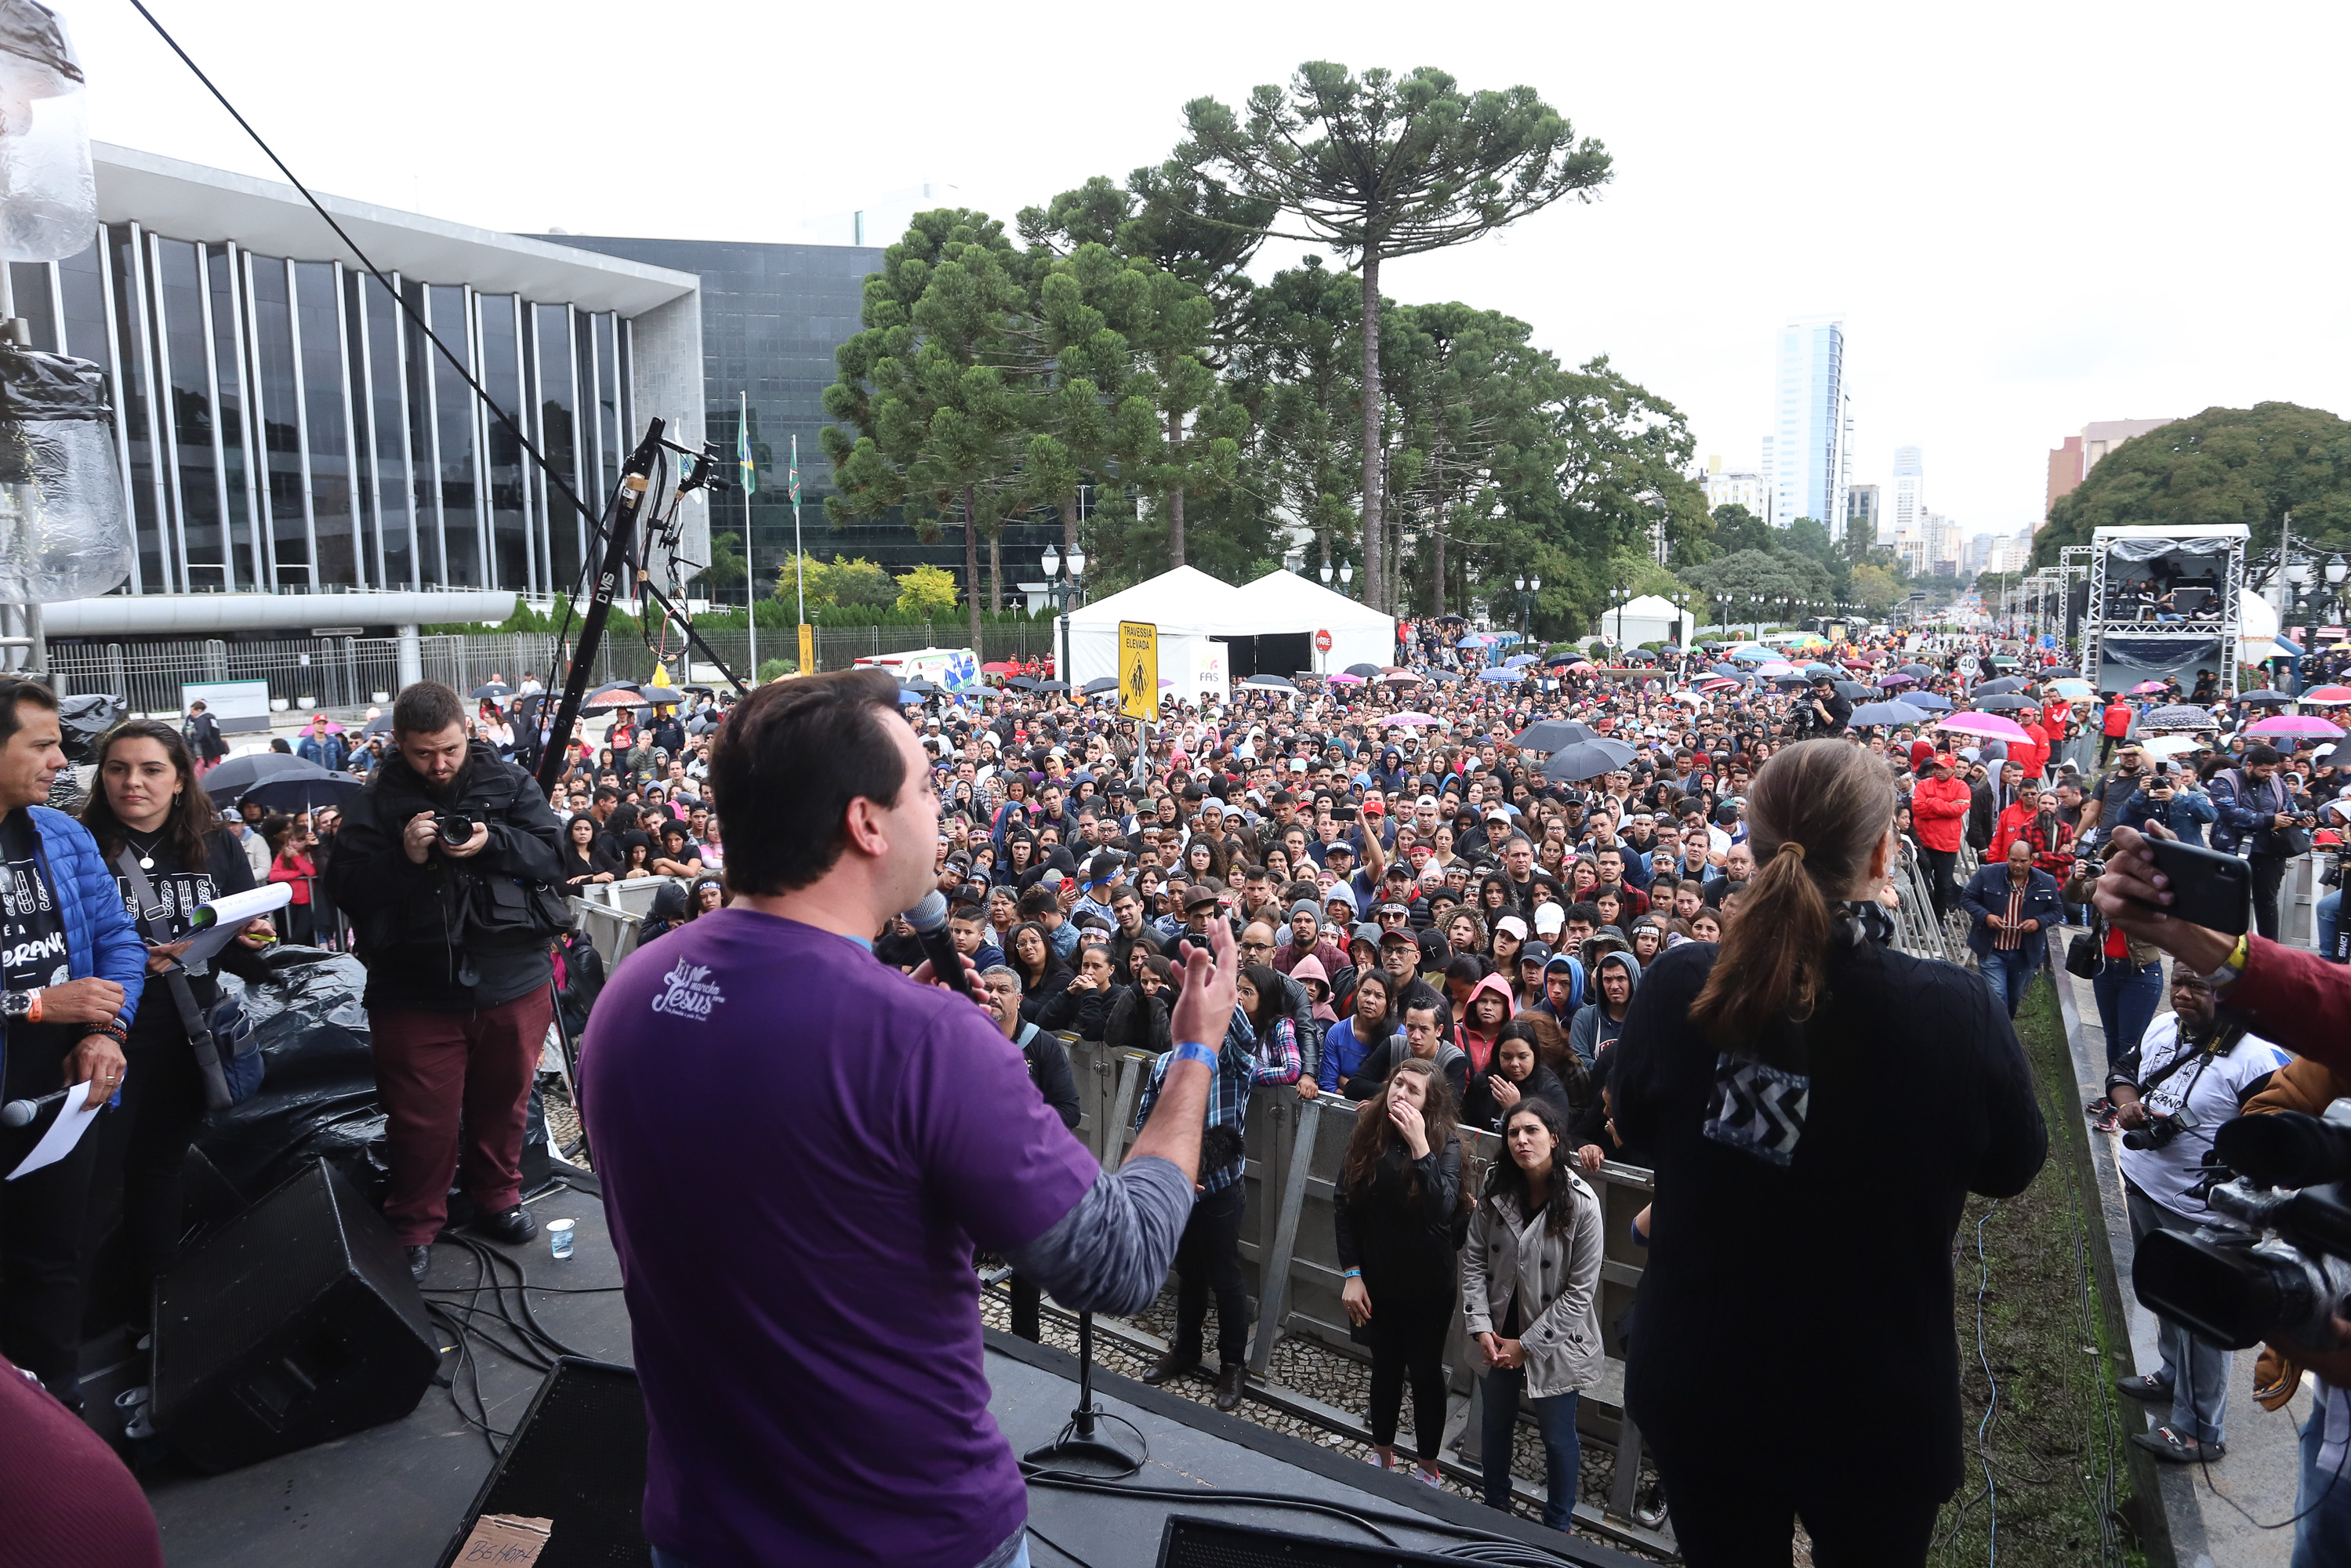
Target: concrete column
(410,656)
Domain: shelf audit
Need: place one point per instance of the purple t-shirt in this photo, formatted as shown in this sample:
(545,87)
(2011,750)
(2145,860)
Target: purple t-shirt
(800,1149)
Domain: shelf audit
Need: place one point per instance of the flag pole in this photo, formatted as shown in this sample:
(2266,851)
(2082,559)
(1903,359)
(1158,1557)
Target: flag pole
(750,565)
(800,557)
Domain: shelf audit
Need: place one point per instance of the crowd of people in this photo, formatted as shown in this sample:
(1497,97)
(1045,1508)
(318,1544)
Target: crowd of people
(1562,915)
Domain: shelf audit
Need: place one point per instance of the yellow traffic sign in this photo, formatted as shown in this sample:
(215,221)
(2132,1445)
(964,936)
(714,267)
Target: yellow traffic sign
(1138,669)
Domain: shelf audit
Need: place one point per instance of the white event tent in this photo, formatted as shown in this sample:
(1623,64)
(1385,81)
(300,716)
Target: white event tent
(1651,618)
(1269,624)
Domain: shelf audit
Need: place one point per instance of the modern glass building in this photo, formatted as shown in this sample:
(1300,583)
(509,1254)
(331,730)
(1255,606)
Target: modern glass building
(286,428)
(1809,467)
(772,315)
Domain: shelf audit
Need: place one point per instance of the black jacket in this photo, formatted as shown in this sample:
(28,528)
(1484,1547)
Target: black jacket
(1841,1256)
(1138,1022)
(451,936)
(1479,1110)
(1082,1013)
(1404,1241)
(1049,1069)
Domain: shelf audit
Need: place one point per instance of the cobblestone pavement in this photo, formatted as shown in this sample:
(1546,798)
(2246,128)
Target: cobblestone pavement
(1318,1372)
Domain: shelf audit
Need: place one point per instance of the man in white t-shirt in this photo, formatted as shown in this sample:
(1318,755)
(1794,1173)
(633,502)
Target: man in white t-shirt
(2191,1072)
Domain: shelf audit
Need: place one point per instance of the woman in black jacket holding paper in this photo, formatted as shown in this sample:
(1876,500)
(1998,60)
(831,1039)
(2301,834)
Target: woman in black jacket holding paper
(150,807)
(1400,1208)
(1798,1227)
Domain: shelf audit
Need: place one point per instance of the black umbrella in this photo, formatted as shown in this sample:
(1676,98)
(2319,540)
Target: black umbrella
(2265,698)
(1551,735)
(1641,656)
(1369,672)
(1587,759)
(1023,683)
(1052,685)
(2007,702)
(1853,689)
(1730,672)
(2002,686)
(611,699)
(233,777)
(1449,677)
(1920,671)
(919,684)
(1101,684)
(380,725)
(492,691)
(1889,713)
(2061,673)
(304,788)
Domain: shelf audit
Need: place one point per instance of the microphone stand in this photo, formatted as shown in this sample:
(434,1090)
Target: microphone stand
(1078,1439)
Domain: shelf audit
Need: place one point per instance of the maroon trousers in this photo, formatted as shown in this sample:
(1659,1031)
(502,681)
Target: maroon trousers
(433,1068)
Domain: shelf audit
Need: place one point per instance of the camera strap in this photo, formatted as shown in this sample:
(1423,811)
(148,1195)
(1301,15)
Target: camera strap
(175,980)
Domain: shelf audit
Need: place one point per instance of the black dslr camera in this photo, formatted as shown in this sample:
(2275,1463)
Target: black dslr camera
(2159,1130)
(2275,1260)
(453,829)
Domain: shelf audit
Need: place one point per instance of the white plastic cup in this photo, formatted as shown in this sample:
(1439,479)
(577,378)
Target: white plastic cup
(558,1237)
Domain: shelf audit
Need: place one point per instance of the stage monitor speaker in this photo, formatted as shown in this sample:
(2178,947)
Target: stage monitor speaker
(1188,1542)
(578,1461)
(294,1323)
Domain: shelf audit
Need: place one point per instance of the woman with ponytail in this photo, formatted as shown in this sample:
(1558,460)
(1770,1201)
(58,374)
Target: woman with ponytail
(1816,1107)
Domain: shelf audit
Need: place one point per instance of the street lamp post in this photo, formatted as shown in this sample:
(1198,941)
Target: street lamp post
(1527,587)
(1064,591)
(1347,575)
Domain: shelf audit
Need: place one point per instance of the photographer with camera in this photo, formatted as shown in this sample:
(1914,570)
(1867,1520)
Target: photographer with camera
(449,868)
(2190,1073)
(1824,713)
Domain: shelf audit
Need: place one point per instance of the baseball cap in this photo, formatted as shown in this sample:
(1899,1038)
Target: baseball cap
(1374,806)
(1550,919)
(1535,953)
(1403,935)
(1341,848)
(1427,801)
(1513,925)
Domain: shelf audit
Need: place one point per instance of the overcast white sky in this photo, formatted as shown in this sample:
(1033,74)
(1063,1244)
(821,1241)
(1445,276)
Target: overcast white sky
(2030,215)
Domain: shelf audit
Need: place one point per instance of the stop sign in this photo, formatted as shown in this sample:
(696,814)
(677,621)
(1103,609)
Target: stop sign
(1322,642)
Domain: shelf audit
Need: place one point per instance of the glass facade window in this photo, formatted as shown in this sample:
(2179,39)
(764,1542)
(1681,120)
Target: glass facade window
(454,456)
(248,559)
(555,397)
(326,428)
(203,560)
(30,282)
(135,389)
(501,377)
(383,333)
(285,496)
(608,400)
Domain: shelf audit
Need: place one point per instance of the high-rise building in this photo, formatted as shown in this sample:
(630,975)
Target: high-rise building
(1811,466)
(1861,510)
(1907,510)
(2071,461)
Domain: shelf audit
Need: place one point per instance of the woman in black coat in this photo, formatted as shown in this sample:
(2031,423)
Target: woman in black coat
(1400,1211)
(1082,1005)
(1028,952)
(1515,1074)
(1756,1075)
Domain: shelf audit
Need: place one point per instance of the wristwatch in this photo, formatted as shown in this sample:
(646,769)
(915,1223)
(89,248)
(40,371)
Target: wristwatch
(26,1004)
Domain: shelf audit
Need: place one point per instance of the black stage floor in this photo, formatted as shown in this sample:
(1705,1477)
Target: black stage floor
(392,1497)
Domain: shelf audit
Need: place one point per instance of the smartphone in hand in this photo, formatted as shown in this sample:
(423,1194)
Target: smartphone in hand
(2208,888)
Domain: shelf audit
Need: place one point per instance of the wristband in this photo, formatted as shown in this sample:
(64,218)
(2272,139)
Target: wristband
(1193,1050)
(2232,967)
(1352,1274)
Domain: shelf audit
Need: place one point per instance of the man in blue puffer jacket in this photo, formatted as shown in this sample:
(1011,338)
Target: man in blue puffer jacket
(72,967)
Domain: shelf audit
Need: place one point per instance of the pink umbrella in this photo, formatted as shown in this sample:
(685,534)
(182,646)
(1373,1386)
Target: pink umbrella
(2307,725)
(2144,687)
(1775,667)
(1401,678)
(1410,720)
(2330,696)
(1985,726)
(1344,679)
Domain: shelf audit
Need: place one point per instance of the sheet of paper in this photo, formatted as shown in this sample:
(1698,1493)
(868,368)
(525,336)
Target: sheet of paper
(230,913)
(74,1118)
(506,1540)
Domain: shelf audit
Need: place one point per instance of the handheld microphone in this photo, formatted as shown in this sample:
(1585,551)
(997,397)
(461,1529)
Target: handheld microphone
(20,1113)
(929,919)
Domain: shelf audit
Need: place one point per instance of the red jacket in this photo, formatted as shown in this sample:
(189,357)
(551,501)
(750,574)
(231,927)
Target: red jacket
(2012,823)
(2033,754)
(1939,809)
(2056,718)
(2118,720)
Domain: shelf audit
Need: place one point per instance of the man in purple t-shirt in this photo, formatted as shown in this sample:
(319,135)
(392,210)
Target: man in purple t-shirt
(802,1146)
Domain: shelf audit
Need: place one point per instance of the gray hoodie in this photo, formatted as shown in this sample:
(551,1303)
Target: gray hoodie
(1592,1026)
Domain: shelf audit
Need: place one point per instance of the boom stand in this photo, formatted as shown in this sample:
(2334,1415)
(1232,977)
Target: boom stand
(1078,1439)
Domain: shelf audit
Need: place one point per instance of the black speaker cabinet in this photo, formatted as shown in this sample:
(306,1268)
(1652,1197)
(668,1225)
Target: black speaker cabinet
(294,1323)
(578,1461)
(1190,1543)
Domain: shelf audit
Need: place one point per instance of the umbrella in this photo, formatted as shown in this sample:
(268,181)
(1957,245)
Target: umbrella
(233,777)
(1897,679)
(1563,657)
(1052,685)
(1101,684)
(2301,724)
(1000,667)
(2061,673)
(1919,671)
(1888,712)
(1517,662)
(2327,695)
(1586,758)
(2001,687)
(906,697)
(2073,686)
(1511,676)
(2180,717)
(1754,655)
(1792,680)
(1022,683)
(304,789)
(2171,744)
(1641,656)
(1406,677)
(919,684)
(2144,687)
(2008,702)
(1715,684)
(2002,662)
(1856,663)
(1777,668)
(2263,698)
(1447,677)
(1730,671)
(1272,683)
(1344,679)
(380,725)
(1853,689)
(1986,725)
(612,698)
(1364,672)
(1551,735)
(1409,720)
(1933,702)
(1816,671)
(492,691)
(1582,664)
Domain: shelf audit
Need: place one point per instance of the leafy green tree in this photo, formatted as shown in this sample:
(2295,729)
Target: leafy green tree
(1174,216)
(1874,589)
(1781,582)
(928,591)
(2225,466)
(1295,370)
(1381,166)
(929,388)
(727,568)
(1735,528)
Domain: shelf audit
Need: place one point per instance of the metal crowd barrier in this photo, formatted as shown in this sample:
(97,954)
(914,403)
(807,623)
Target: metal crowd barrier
(1289,1256)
